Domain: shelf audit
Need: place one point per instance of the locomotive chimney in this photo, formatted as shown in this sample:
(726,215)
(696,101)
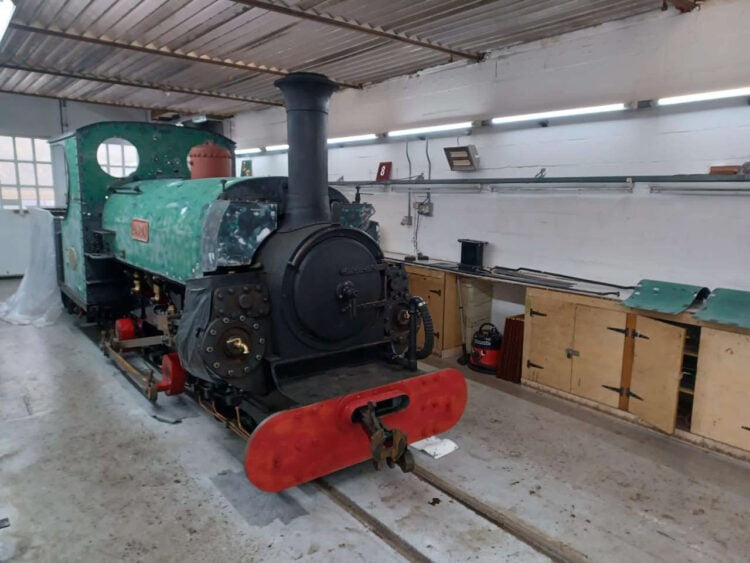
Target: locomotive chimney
(307,95)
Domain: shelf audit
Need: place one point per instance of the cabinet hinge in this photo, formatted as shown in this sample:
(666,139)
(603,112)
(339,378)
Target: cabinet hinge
(630,393)
(533,313)
(620,391)
(436,334)
(530,364)
(629,333)
(569,353)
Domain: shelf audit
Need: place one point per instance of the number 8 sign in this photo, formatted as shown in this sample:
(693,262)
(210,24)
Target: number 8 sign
(384,171)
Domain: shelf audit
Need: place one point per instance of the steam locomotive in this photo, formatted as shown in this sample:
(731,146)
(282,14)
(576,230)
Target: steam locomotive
(286,324)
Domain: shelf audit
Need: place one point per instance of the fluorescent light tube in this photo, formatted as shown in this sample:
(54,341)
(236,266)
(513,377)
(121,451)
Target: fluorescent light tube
(273,148)
(718,95)
(247,151)
(559,113)
(433,129)
(7,7)
(353,139)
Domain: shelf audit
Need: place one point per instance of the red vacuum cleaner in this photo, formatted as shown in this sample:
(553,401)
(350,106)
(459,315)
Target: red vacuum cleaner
(485,353)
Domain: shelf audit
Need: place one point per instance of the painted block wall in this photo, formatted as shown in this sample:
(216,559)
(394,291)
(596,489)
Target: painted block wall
(619,238)
(42,117)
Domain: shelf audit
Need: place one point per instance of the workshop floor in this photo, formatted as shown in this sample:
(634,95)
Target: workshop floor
(88,474)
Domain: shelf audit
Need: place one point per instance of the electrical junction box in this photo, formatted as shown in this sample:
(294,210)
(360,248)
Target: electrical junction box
(424,207)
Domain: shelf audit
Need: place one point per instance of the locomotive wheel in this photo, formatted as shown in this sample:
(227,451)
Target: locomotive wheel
(173,375)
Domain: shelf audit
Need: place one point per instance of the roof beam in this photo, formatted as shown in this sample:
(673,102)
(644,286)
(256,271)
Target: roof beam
(151,49)
(354,25)
(138,84)
(109,103)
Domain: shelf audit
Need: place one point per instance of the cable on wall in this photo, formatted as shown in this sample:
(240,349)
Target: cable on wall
(408,159)
(429,162)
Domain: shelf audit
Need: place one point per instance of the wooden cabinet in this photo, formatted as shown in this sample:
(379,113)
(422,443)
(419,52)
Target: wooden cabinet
(721,405)
(438,289)
(574,348)
(598,350)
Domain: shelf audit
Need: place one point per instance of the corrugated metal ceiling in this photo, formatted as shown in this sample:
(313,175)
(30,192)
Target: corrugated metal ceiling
(101,49)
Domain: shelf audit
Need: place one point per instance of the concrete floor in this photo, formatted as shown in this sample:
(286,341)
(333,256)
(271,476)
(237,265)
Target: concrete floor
(87,474)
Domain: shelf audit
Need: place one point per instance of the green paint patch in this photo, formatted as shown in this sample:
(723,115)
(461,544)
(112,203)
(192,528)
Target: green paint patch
(727,307)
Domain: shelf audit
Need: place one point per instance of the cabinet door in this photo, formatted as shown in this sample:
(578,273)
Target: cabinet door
(721,405)
(597,351)
(549,334)
(451,318)
(657,370)
(430,288)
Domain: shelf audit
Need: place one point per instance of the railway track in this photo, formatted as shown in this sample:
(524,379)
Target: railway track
(506,523)
(543,545)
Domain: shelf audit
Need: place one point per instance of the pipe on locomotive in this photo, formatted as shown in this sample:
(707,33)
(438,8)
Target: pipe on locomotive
(307,96)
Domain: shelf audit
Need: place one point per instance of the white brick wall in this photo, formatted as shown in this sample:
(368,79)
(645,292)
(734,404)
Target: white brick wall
(619,237)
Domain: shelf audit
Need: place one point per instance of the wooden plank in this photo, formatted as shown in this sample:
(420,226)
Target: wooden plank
(548,331)
(657,370)
(721,407)
(576,299)
(597,360)
(451,317)
(627,363)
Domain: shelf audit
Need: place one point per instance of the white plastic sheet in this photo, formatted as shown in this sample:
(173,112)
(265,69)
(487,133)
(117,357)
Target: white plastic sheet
(37,301)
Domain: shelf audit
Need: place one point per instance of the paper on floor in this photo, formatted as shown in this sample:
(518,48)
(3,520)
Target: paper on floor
(436,447)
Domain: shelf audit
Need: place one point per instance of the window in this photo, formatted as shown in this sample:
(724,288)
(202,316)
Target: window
(117,157)
(25,173)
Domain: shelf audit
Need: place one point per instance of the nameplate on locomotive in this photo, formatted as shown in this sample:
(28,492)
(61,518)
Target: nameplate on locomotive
(139,230)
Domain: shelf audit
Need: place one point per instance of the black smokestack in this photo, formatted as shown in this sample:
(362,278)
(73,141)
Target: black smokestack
(307,95)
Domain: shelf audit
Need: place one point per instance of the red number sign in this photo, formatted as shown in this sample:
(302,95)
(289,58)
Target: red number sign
(384,171)
(139,230)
